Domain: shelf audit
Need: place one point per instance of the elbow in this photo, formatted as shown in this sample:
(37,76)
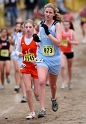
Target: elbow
(77,43)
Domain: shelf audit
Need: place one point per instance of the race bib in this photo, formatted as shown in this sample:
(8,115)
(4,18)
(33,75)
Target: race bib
(64,43)
(48,50)
(29,57)
(83,19)
(4,53)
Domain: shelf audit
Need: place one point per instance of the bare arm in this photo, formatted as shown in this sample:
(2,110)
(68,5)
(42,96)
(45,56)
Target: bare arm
(11,41)
(75,40)
(36,28)
(18,49)
(57,40)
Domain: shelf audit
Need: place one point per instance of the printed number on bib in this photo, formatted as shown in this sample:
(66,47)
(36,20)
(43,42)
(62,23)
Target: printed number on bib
(48,50)
(64,43)
(29,57)
(4,53)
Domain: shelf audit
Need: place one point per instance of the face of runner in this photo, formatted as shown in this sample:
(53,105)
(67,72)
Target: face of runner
(66,26)
(49,13)
(4,33)
(29,29)
(18,27)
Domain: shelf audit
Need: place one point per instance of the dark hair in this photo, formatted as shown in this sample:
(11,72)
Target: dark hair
(71,24)
(18,23)
(22,23)
(4,28)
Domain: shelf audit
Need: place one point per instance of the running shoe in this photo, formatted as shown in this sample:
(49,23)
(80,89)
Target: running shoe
(17,89)
(47,84)
(2,88)
(42,113)
(70,86)
(63,86)
(54,105)
(84,41)
(24,99)
(31,116)
(8,81)
(37,98)
(32,86)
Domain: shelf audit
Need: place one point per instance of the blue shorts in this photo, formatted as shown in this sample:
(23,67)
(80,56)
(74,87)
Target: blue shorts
(53,68)
(20,60)
(15,57)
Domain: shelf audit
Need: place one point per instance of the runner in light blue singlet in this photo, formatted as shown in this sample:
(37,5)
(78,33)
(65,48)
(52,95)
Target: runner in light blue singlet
(48,51)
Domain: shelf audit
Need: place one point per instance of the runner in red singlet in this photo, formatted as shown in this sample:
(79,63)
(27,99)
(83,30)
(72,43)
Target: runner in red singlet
(68,40)
(27,68)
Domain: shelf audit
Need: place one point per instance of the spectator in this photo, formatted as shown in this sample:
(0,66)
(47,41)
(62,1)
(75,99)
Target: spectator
(29,5)
(82,14)
(68,15)
(41,4)
(12,9)
(2,22)
(37,14)
(61,7)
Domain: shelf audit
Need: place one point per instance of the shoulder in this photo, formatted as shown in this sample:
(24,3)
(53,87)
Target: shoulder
(58,26)
(72,31)
(38,25)
(21,39)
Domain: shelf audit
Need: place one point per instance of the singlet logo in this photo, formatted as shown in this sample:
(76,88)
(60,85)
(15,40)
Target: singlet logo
(4,44)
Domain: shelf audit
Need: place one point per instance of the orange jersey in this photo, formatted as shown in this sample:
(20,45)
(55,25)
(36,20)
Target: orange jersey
(65,45)
(29,52)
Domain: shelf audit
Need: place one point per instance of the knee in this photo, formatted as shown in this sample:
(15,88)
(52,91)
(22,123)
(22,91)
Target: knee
(8,72)
(62,67)
(29,91)
(53,86)
(2,75)
(17,70)
(21,77)
(42,82)
(69,68)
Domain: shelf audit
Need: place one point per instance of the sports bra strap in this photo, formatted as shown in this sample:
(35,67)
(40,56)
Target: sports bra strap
(54,23)
(42,22)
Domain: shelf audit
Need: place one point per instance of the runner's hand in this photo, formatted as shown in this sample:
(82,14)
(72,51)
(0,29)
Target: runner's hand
(46,29)
(20,55)
(36,38)
(69,40)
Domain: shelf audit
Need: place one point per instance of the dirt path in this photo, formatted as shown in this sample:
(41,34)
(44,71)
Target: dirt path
(72,103)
